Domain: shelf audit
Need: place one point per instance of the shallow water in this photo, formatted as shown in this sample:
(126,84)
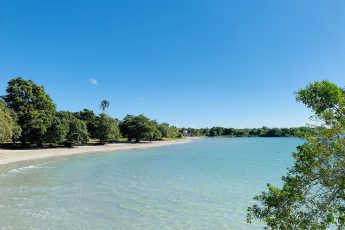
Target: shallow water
(206,184)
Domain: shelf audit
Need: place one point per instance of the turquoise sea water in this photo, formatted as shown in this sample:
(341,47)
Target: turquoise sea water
(206,184)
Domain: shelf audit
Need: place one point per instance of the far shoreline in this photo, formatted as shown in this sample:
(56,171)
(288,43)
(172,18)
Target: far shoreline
(9,158)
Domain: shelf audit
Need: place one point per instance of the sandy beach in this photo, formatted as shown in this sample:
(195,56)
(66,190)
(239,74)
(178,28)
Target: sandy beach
(8,157)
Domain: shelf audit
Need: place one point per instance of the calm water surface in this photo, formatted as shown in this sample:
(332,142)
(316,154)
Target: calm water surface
(206,184)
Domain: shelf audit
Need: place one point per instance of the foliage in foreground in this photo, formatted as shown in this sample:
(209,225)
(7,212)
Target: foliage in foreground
(313,191)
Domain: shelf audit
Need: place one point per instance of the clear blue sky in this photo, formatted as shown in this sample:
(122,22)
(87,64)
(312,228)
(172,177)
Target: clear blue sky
(188,62)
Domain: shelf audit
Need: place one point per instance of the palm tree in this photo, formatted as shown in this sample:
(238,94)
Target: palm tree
(104,105)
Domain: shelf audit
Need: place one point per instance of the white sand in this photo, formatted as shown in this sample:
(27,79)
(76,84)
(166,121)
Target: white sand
(14,156)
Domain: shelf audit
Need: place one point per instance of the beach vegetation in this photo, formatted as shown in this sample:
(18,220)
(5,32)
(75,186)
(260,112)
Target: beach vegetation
(66,129)
(35,121)
(140,128)
(107,128)
(312,195)
(76,129)
(33,107)
(57,132)
(90,118)
(247,132)
(7,123)
(168,131)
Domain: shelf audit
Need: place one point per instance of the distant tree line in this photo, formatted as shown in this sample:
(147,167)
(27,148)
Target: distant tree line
(28,115)
(255,132)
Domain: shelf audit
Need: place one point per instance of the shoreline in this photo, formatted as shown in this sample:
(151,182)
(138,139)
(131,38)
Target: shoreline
(11,157)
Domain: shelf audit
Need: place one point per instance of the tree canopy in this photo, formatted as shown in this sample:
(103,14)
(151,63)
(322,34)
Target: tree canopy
(104,105)
(66,129)
(168,131)
(33,107)
(90,118)
(76,129)
(246,132)
(139,128)
(107,128)
(6,123)
(313,191)
(28,114)
(57,132)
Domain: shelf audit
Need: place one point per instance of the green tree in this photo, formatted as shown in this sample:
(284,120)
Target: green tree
(58,130)
(216,131)
(164,128)
(76,131)
(90,119)
(6,123)
(66,128)
(17,130)
(168,131)
(107,128)
(104,105)
(229,132)
(275,132)
(33,107)
(313,191)
(139,128)
(153,132)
